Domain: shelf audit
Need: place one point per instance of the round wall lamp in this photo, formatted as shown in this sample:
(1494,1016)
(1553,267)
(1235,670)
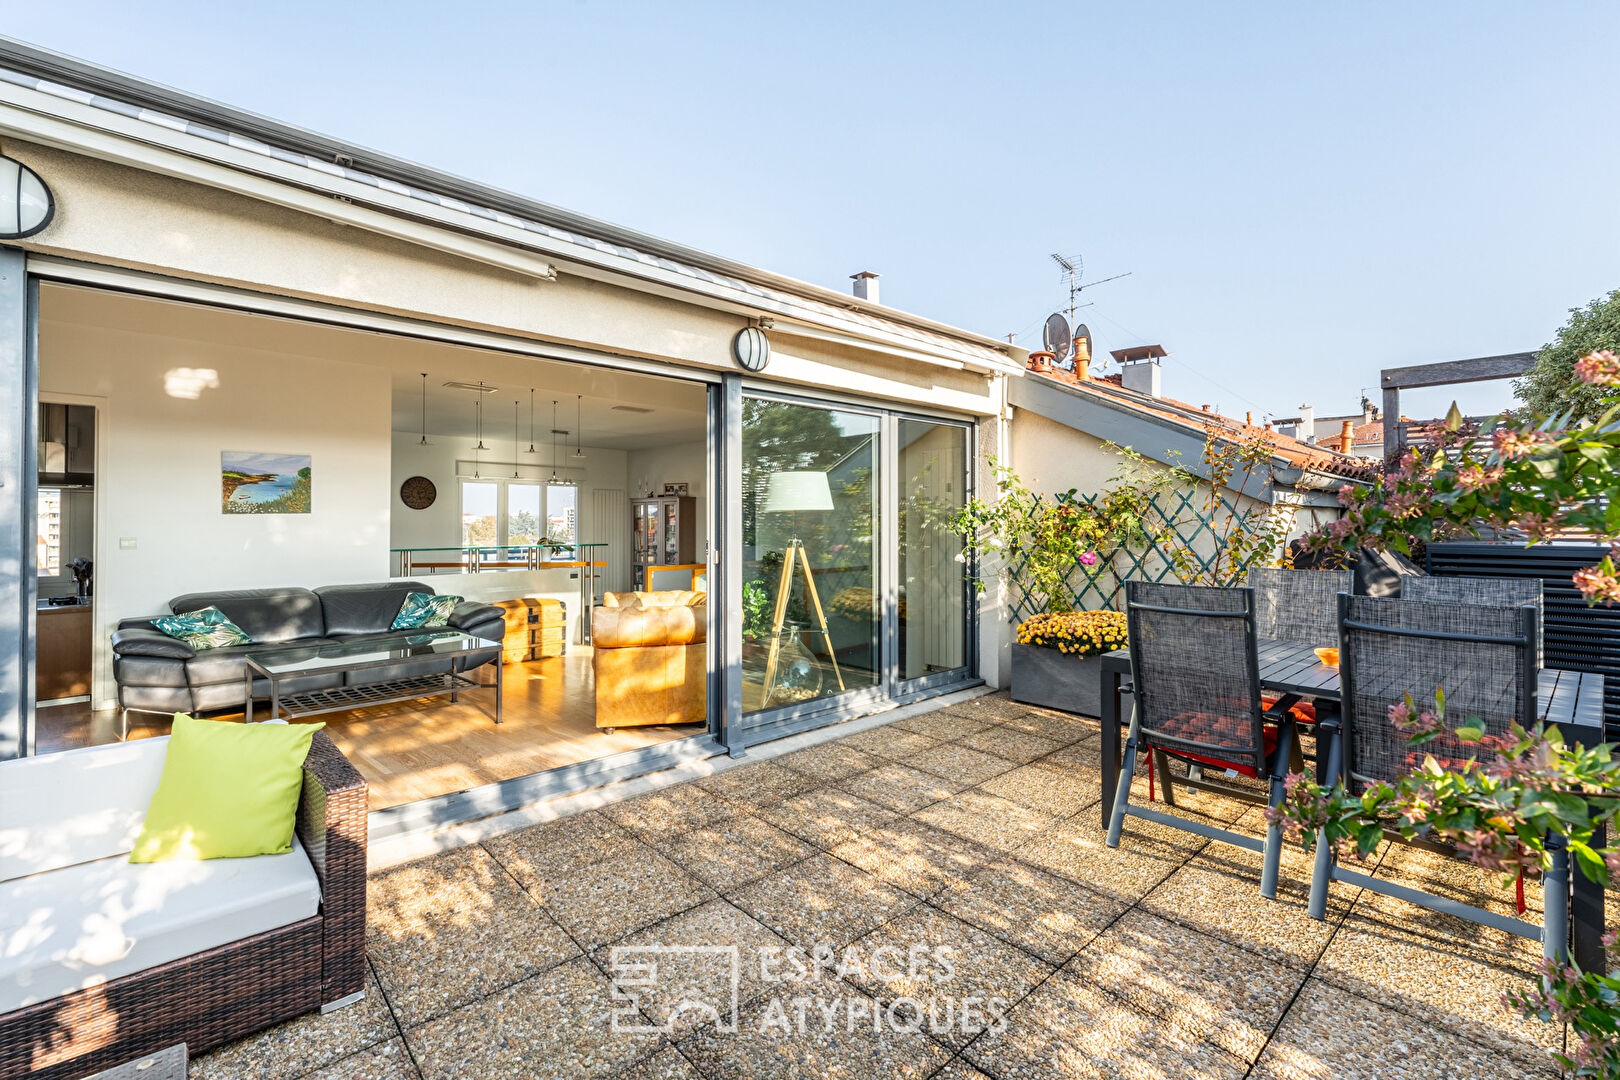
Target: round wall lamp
(751,348)
(26,205)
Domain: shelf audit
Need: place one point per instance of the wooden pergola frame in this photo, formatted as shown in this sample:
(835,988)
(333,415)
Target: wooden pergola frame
(1479,369)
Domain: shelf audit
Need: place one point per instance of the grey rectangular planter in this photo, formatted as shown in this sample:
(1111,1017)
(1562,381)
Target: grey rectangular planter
(1057,680)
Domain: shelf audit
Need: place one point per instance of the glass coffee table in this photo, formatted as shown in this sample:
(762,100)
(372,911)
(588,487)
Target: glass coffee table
(430,664)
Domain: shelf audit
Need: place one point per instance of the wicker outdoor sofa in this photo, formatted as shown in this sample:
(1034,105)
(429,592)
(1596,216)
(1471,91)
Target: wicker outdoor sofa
(217,994)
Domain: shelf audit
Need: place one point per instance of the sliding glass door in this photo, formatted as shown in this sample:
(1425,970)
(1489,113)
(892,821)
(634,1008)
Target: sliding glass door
(933,600)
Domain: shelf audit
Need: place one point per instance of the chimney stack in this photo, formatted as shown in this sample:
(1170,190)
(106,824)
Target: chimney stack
(1139,368)
(866,286)
(1082,359)
(1347,437)
(1307,423)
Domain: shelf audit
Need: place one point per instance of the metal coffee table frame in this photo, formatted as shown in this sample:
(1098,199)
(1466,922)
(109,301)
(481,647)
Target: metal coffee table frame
(309,703)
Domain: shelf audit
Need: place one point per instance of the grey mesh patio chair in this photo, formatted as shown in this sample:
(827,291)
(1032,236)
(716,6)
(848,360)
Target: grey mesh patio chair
(1195,678)
(1484,659)
(1489,592)
(1299,605)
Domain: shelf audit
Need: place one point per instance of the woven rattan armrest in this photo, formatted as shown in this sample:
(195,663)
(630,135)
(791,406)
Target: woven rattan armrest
(332,826)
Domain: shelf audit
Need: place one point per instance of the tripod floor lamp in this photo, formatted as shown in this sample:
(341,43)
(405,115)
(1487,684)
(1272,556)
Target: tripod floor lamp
(790,492)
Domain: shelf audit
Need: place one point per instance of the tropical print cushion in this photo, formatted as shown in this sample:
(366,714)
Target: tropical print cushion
(424,610)
(207,628)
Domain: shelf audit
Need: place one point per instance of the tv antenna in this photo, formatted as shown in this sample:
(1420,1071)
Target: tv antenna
(1074,270)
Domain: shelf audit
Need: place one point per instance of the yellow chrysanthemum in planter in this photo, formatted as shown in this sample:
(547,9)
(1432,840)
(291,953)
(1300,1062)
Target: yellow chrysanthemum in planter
(1076,633)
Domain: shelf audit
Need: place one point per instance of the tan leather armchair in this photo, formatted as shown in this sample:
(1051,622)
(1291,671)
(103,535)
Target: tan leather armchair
(650,658)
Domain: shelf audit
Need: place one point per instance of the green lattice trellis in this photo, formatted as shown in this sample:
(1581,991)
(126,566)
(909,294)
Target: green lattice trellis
(1180,511)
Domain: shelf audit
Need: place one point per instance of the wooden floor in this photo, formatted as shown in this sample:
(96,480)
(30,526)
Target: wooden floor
(420,749)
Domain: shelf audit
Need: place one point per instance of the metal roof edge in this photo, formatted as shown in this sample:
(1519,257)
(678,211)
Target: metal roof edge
(96,79)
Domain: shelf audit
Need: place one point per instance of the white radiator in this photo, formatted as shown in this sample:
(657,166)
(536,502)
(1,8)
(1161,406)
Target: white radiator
(610,524)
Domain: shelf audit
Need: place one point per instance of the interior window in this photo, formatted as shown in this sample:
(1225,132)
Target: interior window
(478,513)
(562,512)
(50,532)
(523,514)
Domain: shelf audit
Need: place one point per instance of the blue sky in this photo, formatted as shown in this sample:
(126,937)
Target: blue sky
(1302,193)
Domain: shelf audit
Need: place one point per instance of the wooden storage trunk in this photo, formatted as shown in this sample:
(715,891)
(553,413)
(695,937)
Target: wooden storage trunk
(536,627)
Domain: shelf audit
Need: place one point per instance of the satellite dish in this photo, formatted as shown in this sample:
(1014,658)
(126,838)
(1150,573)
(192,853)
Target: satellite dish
(1082,342)
(1056,337)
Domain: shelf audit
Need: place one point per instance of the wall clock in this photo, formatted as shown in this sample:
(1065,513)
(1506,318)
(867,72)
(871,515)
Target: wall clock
(418,493)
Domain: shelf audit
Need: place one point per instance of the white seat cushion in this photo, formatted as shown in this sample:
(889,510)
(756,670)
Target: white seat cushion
(76,806)
(85,924)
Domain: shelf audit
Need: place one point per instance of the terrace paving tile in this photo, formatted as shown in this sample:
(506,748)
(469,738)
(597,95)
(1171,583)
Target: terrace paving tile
(1061,727)
(704,976)
(303,1044)
(889,741)
(661,815)
(608,900)
(827,817)
(1041,913)
(915,856)
(1016,746)
(829,762)
(1061,792)
(944,725)
(960,1070)
(959,764)
(453,928)
(386,1061)
(770,1043)
(1208,987)
(556,1024)
(986,819)
(1076,848)
(1330,1034)
(667,1064)
(949,969)
(1084,756)
(1069,1030)
(992,707)
(822,901)
(1452,878)
(902,788)
(735,851)
(543,855)
(753,787)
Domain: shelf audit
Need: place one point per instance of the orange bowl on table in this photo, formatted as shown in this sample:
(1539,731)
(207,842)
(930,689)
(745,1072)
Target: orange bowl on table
(1330,657)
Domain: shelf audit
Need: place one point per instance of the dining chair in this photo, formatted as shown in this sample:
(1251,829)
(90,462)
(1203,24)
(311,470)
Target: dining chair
(1484,659)
(1488,591)
(1195,679)
(1298,605)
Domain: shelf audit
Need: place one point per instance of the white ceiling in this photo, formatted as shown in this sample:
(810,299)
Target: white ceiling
(678,407)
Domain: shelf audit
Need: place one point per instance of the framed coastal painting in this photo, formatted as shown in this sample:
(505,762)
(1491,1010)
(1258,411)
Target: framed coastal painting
(261,483)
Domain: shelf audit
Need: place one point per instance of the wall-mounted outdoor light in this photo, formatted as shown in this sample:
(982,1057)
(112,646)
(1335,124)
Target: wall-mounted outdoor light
(26,205)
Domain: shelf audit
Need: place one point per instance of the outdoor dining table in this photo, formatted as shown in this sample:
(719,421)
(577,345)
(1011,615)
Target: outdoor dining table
(1573,700)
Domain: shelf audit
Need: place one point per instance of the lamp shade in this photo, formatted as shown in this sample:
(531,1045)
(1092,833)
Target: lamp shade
(797,490)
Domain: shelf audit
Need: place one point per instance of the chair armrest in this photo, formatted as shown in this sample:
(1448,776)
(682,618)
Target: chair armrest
(135,641)
(472,615)
(332,827)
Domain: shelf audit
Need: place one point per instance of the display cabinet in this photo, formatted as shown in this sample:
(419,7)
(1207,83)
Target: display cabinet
(665,533)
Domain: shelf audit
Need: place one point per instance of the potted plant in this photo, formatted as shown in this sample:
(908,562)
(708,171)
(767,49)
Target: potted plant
(1056,663)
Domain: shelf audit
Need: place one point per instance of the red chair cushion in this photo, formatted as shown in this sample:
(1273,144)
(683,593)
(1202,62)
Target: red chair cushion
(1212,728)
(1303,711)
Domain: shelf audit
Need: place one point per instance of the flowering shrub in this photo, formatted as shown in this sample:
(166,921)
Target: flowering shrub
(1079,633)
(1540,475)
(1499,815)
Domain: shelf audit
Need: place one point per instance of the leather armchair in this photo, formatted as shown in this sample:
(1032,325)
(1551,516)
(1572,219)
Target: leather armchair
(650,659)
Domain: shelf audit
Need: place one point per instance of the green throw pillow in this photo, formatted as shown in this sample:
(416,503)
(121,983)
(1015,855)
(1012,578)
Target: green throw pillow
(207,628)
(228,791)
(424,610)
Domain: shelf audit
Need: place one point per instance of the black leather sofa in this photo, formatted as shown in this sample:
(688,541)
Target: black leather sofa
(160,674)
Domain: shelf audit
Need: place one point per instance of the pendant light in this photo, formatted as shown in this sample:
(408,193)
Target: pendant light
(478,416)
(514,440)
(555,479)
(424,441)
(532,450)
(479,445)
(579,427)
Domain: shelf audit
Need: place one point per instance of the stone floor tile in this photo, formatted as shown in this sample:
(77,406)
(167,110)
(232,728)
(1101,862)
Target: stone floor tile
(727,945)
(735,851)
(986,819)
(1329,1034)
(758,785)
(1449,982)
(806,1035)
(453,928)
(960,1070)
(901,787)
(1067,1030)
(667,1064)
(915,856)
(662,814)
(1042,913)
(385,1061)
(303,1044)
(822,901)
(1017,746)
(889,741)
(944,725)
(1061,727)
(1210,988)
(1452,878)
(558,1024)
(1061,792)
(959,763)
(1085,755)
(608,900)
(827,817)
(1076,849)
(953,972)
(993,707)
(829,762)
(543,855)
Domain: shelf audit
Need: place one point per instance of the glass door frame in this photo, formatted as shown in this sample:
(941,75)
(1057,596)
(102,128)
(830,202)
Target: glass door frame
(737,730)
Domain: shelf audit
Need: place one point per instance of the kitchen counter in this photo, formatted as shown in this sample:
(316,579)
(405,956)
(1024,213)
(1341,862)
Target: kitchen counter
(63,637)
